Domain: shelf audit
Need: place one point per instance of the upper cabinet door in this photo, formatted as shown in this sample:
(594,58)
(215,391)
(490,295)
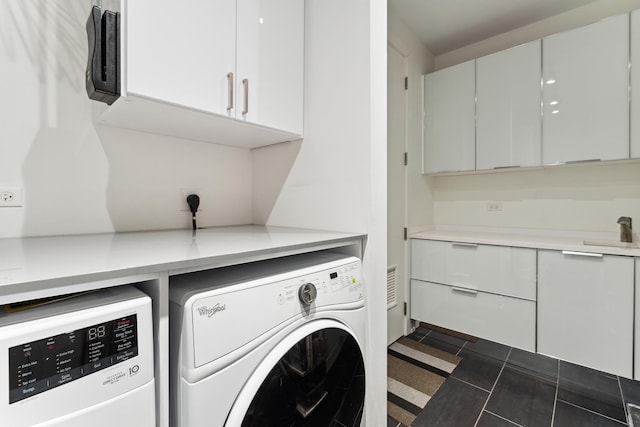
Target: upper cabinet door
(508,122)
(270,63)
(635,84)
(449,119)
(181,52)
(586,93)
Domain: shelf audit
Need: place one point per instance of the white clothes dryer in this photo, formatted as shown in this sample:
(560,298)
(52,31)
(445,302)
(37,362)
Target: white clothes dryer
(82,360)
(271,343)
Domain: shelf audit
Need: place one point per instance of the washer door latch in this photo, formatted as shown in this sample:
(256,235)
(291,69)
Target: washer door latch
(307,293)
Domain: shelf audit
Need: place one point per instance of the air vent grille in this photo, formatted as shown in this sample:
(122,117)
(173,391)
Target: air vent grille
(392,294)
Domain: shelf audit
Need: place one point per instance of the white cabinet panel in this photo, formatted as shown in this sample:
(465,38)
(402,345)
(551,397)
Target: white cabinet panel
(508,121)
(585,310)
(271,60)
(585,93)
(497,269)
(635,83)
(449,119)
(506,320)
(181,53)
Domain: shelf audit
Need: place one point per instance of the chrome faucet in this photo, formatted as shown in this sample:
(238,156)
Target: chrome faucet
(625,229)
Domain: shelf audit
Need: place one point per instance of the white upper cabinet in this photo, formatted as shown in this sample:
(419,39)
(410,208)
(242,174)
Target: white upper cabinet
(449,119)
(508,122)
(635,83)
(181,52)
(270,63)
(586,93)
(224,71)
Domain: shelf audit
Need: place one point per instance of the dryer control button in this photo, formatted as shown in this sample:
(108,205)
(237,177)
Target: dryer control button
(307,293)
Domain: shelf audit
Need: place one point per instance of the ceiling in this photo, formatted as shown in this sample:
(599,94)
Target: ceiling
(446,25)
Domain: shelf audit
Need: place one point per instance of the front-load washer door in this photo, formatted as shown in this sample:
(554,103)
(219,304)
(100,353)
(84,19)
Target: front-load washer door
(313,378)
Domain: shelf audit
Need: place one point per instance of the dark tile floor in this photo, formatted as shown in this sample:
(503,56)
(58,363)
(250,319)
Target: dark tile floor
(495,386)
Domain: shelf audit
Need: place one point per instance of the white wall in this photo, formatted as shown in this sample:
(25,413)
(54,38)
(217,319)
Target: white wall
(587,197)
(420,61)
(338,179)
(80,178)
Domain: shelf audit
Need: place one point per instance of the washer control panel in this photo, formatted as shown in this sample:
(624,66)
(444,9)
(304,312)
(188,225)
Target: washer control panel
(42,365)
(211,317)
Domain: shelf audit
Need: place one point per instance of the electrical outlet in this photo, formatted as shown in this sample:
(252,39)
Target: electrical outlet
(10,196)
(494,206)
(184,192)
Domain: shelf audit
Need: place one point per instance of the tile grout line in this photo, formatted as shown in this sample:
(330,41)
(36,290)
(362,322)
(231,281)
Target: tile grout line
(555,399)
(624,405)
(469,384)
(593,412)
(503,418)
(504,363)
(463,346)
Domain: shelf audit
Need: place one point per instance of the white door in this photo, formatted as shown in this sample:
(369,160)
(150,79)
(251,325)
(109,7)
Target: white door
(396,194)
(270,55)
(182,52)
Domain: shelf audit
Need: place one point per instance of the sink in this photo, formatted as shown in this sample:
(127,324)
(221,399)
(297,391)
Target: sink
(611,243)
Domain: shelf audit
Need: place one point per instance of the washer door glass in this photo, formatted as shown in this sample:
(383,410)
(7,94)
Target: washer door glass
(318,382)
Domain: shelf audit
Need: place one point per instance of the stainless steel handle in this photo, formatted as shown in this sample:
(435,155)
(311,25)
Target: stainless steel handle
(468,245)
(230,91)
(464,290)
(572,162)
(245,83)
(587,254)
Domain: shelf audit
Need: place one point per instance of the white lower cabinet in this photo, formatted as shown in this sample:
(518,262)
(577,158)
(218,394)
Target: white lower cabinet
(585,309)
(483,290)
(499,318)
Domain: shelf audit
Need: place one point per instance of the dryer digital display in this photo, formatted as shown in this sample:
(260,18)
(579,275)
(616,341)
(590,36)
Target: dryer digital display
(42,365)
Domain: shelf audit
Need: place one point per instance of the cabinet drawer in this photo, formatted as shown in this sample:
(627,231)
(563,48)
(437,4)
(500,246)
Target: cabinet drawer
(506,320)
(496,269)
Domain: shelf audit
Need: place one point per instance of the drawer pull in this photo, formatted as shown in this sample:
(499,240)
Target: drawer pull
(230,91)
(468,245)
(464,290)
(587,254)
(573,162)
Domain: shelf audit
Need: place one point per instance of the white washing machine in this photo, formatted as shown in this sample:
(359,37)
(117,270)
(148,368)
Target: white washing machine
(86,360)
(271,343)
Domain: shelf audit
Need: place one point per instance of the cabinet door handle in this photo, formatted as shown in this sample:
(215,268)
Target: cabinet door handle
(245,83)
(587,254)
(464,290)
(230,91)
(468,245)
(573,162)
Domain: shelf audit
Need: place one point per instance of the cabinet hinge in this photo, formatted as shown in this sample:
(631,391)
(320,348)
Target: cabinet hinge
(406,83)
(406,158)
(405,308)
(405,233)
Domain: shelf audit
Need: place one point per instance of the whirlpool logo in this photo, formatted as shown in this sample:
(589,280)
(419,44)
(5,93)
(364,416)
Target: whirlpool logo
(210,311)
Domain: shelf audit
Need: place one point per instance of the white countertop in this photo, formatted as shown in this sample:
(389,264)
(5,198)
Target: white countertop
(529,238)
(43,262)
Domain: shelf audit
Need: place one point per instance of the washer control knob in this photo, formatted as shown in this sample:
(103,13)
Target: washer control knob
(307,293)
